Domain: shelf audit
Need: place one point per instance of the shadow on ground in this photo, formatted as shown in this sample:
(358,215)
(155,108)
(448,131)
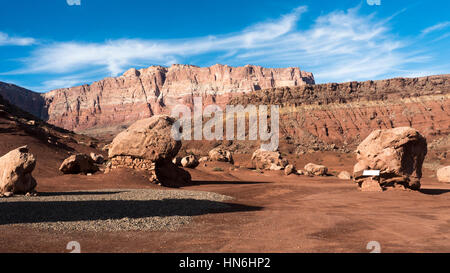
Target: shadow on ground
(200,182)
(68,193)
(434,191)
(51,211)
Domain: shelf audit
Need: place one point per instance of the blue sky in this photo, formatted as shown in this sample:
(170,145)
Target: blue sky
(50,44)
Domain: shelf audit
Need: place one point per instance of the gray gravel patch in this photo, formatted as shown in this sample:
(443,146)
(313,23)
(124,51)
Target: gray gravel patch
(110,210)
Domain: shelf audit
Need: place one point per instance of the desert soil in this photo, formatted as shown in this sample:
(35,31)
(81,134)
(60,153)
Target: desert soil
(268,212)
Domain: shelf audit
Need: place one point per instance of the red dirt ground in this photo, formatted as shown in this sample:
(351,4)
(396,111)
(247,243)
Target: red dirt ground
(282,214)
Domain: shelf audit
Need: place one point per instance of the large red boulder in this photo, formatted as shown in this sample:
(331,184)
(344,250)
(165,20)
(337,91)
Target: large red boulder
(148,145)
(15,171)
(398,153)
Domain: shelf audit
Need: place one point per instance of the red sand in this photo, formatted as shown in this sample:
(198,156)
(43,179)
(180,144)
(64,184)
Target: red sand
(283,214)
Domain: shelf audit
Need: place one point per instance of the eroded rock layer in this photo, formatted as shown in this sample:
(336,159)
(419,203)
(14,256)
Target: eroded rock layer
(313,117)
(138,94)
(334,115)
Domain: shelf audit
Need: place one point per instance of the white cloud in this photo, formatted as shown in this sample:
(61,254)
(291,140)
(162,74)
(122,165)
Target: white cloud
(6,40)
(436,27)
(68,81)
(339,46)
(117,55)
(442,37)
(73,2)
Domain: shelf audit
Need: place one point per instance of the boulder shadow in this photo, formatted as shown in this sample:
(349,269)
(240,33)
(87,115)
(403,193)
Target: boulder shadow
(27,212)
(434,191)
(205,182)
(69,193)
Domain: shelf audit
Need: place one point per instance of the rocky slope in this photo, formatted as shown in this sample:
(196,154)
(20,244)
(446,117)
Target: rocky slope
(137,94)
(48,143)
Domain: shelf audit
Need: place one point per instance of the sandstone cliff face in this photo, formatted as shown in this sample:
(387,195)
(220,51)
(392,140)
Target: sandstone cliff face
(312,115)
(341,114)
(142,93)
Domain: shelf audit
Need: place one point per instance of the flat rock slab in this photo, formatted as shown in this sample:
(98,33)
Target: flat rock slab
(371,186)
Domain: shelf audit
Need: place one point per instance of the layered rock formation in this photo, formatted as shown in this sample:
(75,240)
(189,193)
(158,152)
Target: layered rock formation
(138,94)
(334,115)
(313,117)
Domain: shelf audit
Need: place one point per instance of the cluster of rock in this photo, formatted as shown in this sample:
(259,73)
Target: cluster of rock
(16,169)
(268,160)
(220,154)
(192,161)
(397,153)
(273,160)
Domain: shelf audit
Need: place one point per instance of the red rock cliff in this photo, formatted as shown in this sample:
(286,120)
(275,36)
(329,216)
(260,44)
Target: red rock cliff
(141,93)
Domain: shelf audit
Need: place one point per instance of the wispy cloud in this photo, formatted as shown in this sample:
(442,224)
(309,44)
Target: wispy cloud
(73,2)
(6,40)
(116,55)
(339,46)
(442,37)
(436,27)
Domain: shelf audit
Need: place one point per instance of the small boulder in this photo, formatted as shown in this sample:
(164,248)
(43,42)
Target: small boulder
(315,169)
(274,167)
(189,161)
(262,159)
(220,154)
(203,159)
(300,172)
(7,194)
(15,171)
(289,169)
(443,174)
(344,175)
(78,163)
(99,159)
(370,185)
